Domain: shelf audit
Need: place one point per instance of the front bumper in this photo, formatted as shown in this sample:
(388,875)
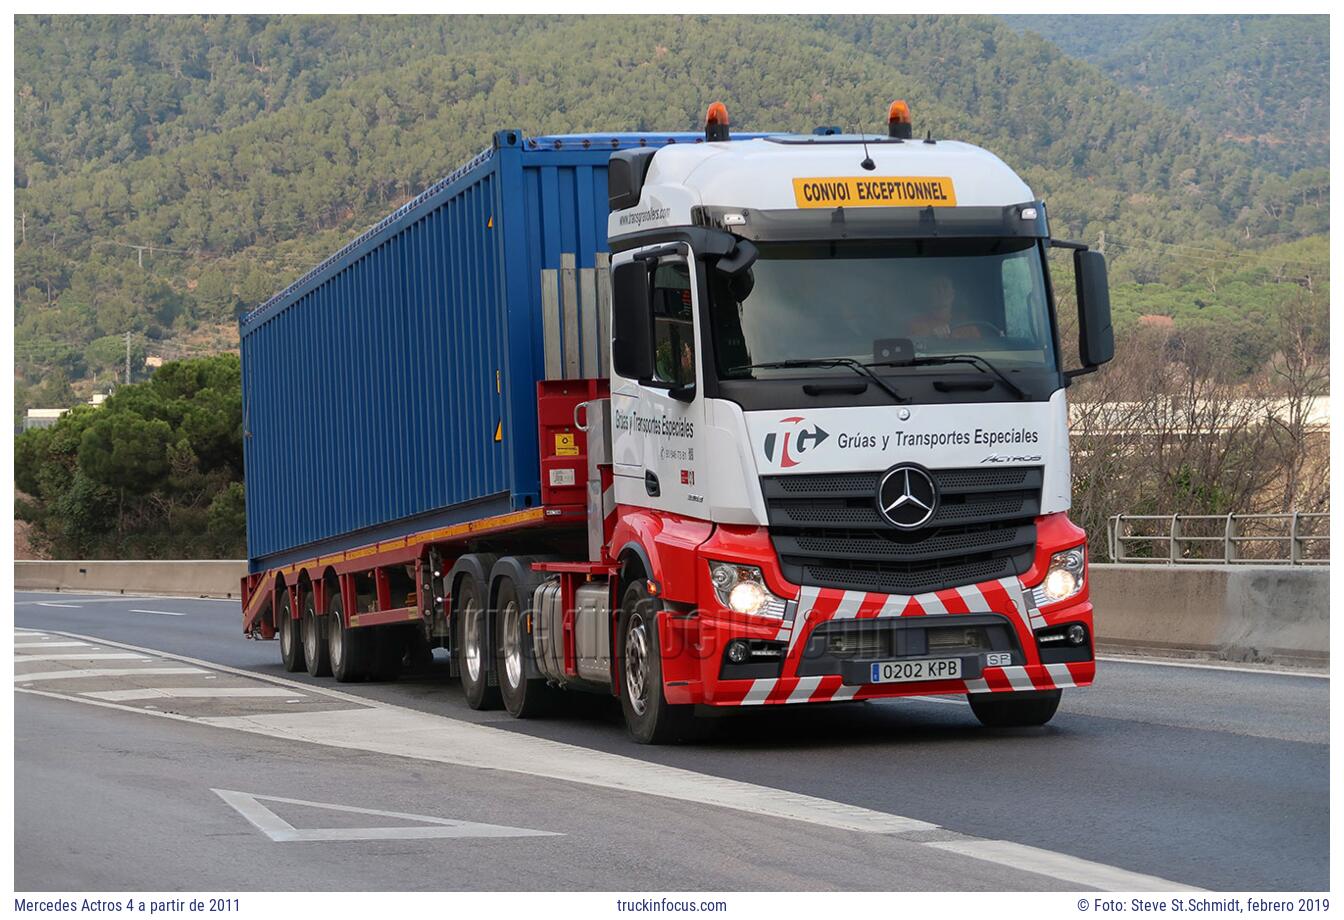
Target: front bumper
(824,648)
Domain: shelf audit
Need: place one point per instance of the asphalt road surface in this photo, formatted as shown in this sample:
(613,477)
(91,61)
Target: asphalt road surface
(137,769)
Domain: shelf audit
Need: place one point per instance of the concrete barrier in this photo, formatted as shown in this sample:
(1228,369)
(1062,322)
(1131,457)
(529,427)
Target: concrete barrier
(1230,612)
(1234,613)
(186,578)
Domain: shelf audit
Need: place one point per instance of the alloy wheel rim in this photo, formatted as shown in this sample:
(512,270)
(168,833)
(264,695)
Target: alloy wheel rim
(513,645)
(336,645)
(637,664)
(472,640)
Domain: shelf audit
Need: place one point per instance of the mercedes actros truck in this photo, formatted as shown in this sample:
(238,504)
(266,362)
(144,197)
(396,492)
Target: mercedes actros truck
(695,420)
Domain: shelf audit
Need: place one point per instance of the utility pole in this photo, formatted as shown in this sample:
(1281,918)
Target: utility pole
(1101,243)
(128,356)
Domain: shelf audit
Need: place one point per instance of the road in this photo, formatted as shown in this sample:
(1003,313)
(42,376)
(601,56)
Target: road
(1210,778)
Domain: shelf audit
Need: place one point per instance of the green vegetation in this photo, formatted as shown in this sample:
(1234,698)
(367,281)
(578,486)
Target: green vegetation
(244,149)
(155,472)
(1262,82)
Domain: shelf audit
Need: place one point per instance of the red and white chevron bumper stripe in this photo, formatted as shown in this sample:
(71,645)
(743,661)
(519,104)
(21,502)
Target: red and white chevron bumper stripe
(1004,596)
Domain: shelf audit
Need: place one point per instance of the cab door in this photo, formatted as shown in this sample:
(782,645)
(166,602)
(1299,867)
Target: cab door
(658,421)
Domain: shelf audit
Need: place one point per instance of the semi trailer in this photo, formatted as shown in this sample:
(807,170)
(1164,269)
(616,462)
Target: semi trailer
(692,419)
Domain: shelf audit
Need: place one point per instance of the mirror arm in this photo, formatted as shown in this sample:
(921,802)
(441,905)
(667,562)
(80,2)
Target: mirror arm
(1071,376)
(1068,244)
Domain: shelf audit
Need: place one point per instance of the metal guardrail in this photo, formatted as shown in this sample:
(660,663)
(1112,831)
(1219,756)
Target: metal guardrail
(1293,538)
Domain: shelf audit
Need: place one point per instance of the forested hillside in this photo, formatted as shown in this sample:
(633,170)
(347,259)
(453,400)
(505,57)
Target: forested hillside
(172,172)
(1260,81)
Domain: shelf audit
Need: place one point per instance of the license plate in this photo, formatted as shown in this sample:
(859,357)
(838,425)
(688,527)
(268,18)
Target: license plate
(892,672)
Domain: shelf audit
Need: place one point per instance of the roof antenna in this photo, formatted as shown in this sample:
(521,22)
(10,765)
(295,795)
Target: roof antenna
(867,163)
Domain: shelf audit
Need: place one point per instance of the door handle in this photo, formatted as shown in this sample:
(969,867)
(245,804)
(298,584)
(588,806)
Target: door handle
(651,484)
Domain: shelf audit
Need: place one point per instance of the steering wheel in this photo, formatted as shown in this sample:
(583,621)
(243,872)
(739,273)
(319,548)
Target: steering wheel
(988,330)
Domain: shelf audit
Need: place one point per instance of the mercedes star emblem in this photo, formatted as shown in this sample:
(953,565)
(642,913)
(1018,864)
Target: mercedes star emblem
(907,497)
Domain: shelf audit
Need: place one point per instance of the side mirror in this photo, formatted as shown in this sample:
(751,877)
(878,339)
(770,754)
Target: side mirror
(631,321)
(1096,336)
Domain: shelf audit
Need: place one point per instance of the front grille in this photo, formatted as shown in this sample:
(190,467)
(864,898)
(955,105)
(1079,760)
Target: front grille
(828,533)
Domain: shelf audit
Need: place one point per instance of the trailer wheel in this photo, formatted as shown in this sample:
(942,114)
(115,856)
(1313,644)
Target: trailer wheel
(650,718)
(291,644)
(472,646)
(314,642)
(347,646)
(524,697)
(1015,710)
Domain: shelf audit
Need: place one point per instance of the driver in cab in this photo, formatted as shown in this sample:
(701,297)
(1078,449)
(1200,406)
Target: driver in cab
(938,316)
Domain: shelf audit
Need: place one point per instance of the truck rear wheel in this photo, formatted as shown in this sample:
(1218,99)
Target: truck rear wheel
(1015,710)
(523,697)
(650,718)
(314,642)
(472,646)
(287,628)
(347,647)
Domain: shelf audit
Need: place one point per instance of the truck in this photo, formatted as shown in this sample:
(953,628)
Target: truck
(698,420)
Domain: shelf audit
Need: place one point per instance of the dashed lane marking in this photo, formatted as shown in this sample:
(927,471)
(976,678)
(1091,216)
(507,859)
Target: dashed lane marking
(82,673)
(196,693)
(162,613)
(84,656)
(1160,663)
(53,604)
(41,644)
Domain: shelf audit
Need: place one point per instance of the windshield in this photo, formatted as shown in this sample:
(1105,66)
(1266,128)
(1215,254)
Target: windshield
(875,300)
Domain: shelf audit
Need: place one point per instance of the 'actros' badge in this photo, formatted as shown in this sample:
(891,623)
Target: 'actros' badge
(906,496)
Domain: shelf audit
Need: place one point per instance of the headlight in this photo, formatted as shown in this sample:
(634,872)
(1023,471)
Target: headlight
(1064,577)
(741,588)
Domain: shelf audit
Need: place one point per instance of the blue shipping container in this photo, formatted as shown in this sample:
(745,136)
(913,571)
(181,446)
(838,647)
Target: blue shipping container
(393,387)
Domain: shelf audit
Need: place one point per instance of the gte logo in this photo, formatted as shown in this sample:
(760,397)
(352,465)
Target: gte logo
(794,441)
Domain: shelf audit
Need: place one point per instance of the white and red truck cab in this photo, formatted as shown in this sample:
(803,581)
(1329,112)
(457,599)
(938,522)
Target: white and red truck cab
(839,430)
(826,454)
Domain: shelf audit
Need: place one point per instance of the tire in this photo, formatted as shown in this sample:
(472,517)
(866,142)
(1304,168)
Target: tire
(524,698)
(347,646)
(291,643)
(471,622)
(387,649)
(650,718)
(314,639)
(1015,710)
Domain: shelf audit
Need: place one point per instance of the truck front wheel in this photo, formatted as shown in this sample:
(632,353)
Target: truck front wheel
(1015,710)
(649,716)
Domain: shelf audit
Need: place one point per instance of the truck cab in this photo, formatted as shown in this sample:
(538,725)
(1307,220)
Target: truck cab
(839,431)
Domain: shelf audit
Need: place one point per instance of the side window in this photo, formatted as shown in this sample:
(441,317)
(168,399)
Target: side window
(673,325)
(1019,315)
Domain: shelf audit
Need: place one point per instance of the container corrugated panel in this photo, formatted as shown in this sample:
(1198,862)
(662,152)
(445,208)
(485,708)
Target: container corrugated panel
(393,387)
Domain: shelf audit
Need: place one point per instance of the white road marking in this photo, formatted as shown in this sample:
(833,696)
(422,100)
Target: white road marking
(84,656)
(1059,865)
(53,604)
(42,644)
(281,831)
(384,728)
(82,673)
(408,733)
(198,693)
(162,613)
(108,598)
(1161,663)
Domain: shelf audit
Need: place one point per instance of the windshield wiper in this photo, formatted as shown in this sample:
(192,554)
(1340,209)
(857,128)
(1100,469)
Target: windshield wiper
(858,367)
(982,364)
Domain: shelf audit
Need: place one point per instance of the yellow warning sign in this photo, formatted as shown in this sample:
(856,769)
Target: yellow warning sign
(565,446)
(499,430)
(875,192)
